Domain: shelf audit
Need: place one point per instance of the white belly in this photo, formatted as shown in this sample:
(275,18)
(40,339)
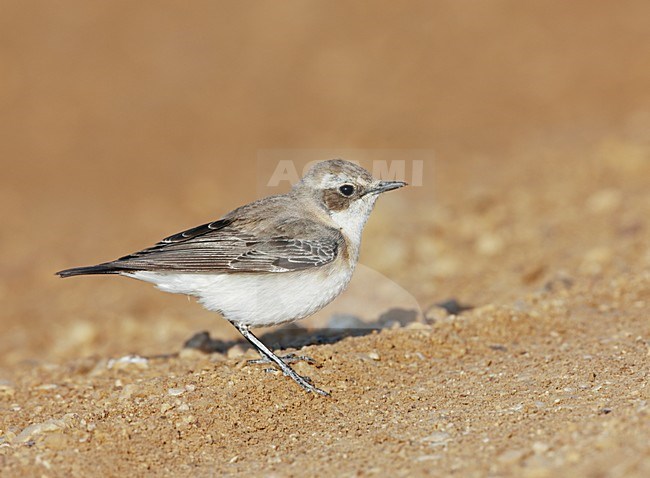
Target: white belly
(257,299)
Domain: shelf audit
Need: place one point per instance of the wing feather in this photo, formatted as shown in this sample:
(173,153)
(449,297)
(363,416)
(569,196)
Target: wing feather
(223,247)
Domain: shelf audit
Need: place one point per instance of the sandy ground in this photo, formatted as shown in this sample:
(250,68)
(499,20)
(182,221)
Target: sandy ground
(532,123)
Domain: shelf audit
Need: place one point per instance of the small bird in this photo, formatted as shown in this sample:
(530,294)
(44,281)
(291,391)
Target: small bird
(275,260)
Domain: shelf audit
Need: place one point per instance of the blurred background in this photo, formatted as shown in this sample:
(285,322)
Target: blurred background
(122,122)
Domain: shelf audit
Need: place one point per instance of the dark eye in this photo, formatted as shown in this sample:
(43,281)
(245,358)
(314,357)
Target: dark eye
(347,190)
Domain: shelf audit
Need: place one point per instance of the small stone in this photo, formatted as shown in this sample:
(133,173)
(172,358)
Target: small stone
(128,362)
(51,425)
(37,429)
(175,392)
(47,386)
(374,356)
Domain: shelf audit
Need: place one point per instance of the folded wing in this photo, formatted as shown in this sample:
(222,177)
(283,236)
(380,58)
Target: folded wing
(222,247)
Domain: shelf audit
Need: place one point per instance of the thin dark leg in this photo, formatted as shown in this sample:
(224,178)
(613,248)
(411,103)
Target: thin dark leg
(265,352)
(289,358)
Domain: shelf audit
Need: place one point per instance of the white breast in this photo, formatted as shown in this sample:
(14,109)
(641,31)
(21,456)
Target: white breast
(352,220)
(259,299)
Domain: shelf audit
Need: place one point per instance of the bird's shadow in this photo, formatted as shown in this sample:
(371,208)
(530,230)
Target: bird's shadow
(339,327)
(294,336)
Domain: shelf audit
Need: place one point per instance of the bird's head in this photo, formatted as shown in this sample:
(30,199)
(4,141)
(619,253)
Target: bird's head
(346,191)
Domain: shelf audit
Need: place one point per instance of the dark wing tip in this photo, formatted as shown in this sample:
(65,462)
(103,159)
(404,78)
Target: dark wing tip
(106,268)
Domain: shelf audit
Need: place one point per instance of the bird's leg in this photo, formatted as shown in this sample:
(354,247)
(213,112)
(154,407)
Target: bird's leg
(289,358)
(266,353)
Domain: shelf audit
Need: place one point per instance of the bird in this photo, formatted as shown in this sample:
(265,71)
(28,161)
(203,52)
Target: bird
(275,260)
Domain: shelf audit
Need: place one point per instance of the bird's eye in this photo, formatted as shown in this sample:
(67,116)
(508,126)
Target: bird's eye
(347,190)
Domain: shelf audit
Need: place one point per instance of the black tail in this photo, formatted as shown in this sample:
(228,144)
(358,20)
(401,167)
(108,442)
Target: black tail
(105,268)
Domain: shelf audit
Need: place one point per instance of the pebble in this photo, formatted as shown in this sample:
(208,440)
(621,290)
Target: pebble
(51,425)
(47,386)
(175,392)
(128,362)
(373,356)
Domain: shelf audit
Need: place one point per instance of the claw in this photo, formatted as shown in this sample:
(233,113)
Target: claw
(270,357)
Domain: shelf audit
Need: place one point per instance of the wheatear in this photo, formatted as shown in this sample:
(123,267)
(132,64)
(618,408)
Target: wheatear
(275,260)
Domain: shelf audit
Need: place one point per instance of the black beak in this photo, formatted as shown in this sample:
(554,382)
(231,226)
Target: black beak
(384,186)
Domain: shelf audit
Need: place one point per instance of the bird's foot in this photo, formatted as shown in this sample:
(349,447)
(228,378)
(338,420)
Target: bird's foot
(305,382)
(307,385)
(289,358)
